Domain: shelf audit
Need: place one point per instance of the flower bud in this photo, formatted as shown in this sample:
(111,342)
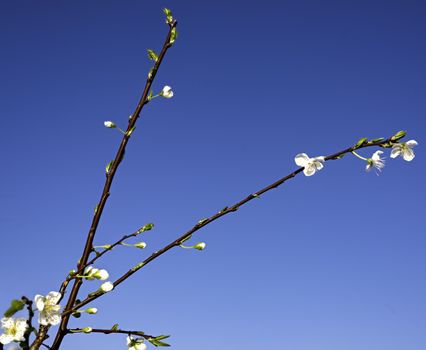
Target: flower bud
(140,245)
(200,246)
(167,92)
(107,287)
(110,124)
(399,135)
(101,275)
(92,310)
(87,330)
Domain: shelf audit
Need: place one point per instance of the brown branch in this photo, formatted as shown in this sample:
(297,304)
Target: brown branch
(106,191)
(98,256)
(225,211)
(111,331)
(27,334)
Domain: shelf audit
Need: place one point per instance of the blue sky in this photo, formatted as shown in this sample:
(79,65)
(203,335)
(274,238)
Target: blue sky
(335,261)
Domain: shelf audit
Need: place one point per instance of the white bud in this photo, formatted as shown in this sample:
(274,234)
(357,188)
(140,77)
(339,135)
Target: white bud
(110,124)
(107,287)
(101,275)
(200,246)
(92,310)
(87,330)
(167,92)
(140,245)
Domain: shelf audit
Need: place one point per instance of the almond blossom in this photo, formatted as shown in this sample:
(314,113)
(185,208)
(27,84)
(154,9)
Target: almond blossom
(135,343)
(49,309)
(404,149)
(310,165)
(14,329)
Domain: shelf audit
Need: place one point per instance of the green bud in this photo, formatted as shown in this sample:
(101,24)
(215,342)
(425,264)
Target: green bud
(131,130)
(173,35)
(399,135)
(146,227)
(72,272)
(76,314)
(140,245)
(108,167)
(152,55)
(200,246)
(92,310)
(202,221)
(87,330)
(360,142)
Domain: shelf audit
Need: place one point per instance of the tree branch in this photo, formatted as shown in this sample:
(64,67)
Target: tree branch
(378,143)
(106,191)
(111,331)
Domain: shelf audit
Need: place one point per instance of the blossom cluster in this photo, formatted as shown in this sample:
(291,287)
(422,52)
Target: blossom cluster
(404,149)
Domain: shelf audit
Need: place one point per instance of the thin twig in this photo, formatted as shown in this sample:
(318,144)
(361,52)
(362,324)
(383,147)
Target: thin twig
(221,213)
(27,334)
(106,191)
(111,331)
(98,256)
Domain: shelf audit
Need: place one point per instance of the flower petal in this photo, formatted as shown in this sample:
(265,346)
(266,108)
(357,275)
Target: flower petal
(408,154)
(301,159)
(53,297)
(309,170)
(39,301)
(6,339)
(411,143)
(396,151)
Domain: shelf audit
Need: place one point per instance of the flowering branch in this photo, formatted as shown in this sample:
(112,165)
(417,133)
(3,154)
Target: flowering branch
(363,143)
(107,248)
(109,331)
(110,173)
(27,334)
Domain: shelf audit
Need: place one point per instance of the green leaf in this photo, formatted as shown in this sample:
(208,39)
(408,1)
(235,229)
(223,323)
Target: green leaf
(185,239)
(202,221)
(160,337)
(131,130)
(173,35)
(167,12)
(399,135)
(108,167)
(360,142)
(155,342)
(152,55)
(15,306)
(377,140)
(115,327)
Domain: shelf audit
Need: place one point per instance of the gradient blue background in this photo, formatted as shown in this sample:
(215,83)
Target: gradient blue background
(331,262)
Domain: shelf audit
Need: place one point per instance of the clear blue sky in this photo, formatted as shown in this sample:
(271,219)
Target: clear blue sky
(336,261)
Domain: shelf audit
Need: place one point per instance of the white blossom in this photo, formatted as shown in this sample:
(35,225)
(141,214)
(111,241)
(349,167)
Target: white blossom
(404,149)
(167,92)
(107,287)
(14,329)
(310,165)
(48,308)
(375,161)
(109,124)
(135,343)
